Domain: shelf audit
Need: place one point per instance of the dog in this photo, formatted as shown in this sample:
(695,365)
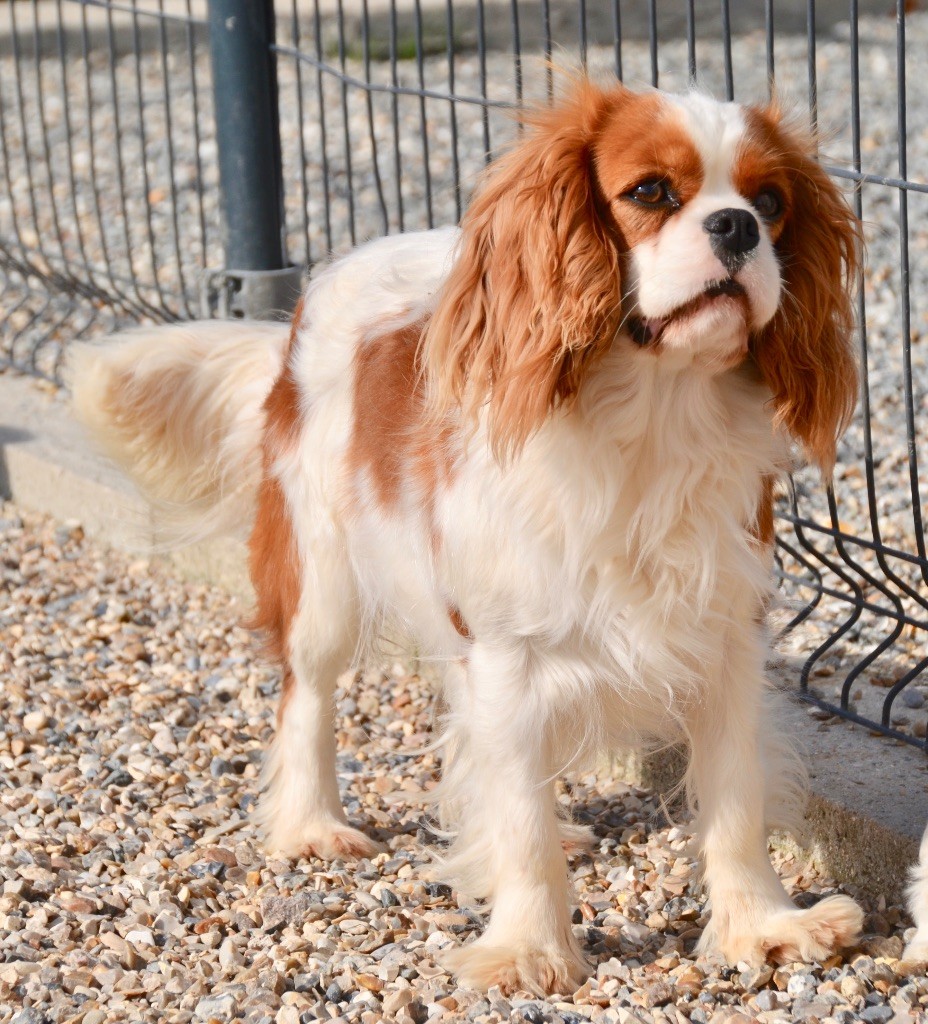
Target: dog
(542,444)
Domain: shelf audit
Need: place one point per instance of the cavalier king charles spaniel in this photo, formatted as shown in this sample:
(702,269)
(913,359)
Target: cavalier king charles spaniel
(542,445)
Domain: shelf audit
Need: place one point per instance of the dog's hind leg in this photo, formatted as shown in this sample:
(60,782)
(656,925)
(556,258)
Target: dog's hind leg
(301,810)
(301,807)
(307,604)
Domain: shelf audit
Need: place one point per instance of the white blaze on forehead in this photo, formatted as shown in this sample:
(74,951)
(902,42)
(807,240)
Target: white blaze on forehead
(717,130)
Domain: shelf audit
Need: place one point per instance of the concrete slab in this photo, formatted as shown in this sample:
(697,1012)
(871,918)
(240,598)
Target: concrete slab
(870,797)
(870,794)
(47,464)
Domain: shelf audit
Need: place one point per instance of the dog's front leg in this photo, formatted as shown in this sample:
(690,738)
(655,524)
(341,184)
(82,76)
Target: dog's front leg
(507,846)
(752,918)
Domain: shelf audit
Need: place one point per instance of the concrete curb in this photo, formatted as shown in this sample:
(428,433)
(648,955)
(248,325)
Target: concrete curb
(869,796)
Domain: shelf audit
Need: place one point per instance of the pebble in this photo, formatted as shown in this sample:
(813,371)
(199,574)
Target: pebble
(878,1014)
(35,721)
(395,1001)
(766,1000)
(141,936)
(757,977)
(912,698)
(229,954)
(276,910)
(801,986)
(219,766)
(211,1007)
(853,987)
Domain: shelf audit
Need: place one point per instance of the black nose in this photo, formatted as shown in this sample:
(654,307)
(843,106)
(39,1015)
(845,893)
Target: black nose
(732,234)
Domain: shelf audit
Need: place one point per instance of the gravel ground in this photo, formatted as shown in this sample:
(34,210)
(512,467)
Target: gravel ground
(134,714)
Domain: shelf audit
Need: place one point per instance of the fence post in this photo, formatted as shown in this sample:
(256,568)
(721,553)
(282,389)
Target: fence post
(257,280)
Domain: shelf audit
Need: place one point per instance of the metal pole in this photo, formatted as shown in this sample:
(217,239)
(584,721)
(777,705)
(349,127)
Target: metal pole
(258,280)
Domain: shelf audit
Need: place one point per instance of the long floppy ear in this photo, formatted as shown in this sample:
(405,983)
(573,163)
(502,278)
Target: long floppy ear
(806,352)
(534,293)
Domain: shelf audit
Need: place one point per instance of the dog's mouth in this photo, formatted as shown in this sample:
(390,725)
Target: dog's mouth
(647,331)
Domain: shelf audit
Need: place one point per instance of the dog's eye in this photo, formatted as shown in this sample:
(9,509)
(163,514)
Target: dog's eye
(769,204)
(652,193)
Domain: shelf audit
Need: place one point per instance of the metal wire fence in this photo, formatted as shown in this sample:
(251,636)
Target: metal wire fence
(387,111)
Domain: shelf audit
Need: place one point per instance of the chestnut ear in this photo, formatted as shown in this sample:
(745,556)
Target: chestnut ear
(806,353)
(534,293)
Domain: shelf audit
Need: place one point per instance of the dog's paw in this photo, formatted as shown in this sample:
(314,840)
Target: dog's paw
(788,935)
(327,840)
(540,970)
(813,934)
(575,839)
(341,843)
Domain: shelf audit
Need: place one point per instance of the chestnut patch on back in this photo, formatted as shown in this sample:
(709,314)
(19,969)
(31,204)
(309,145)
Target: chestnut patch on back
(392,440)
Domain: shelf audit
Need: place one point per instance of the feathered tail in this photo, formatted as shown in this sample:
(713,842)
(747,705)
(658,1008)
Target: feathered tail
(179,408)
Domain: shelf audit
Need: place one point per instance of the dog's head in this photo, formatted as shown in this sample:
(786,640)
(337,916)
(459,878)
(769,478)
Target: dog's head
(683,223)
